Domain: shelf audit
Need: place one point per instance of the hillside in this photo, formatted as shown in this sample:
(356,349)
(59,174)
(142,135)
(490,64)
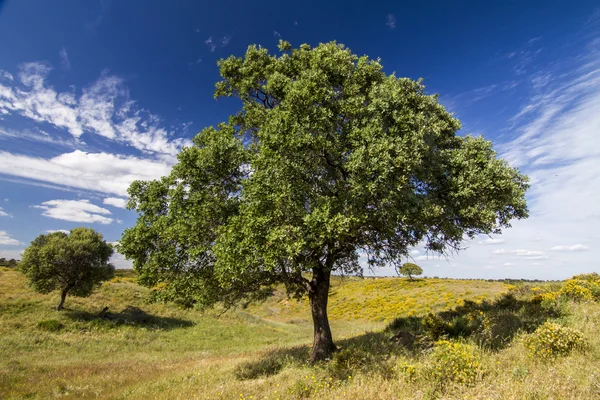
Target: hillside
(141,350)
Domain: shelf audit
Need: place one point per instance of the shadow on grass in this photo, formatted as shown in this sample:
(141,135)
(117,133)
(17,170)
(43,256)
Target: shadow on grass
(490,325)
(130,316)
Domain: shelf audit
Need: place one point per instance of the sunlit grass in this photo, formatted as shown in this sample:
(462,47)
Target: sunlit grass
(261,351)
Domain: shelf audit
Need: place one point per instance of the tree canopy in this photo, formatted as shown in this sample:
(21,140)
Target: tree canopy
(328,159)
(74,264)
(410,270)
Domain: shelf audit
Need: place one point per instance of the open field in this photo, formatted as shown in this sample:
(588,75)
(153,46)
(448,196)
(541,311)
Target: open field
(261,351)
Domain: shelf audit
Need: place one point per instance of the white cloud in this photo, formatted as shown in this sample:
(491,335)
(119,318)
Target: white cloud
(38,137)
(430,258)
(6,240)
(519,252)
(104,108)
(551,138)
(575,247)
(57,230)
(214,43)
(116,202)
(75,210)
(38,102)
(490,241)
(4,214)
(64,59)
(101,172)
(390,21)
(415,252)
(6,75)
(538,257)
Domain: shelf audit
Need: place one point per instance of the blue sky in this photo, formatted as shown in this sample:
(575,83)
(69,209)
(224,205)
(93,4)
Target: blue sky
(96,94)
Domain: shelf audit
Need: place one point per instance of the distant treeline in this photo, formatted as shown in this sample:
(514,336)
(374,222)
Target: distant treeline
(505,280)
(8,263)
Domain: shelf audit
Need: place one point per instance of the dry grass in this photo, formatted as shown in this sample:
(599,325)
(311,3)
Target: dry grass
(260,352)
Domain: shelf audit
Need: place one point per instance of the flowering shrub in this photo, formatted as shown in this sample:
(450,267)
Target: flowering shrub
(580,290)
(407,371)
(552,340)
(455,362)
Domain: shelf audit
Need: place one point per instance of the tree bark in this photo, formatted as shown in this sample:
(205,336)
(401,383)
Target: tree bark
(323,346)
(63,296)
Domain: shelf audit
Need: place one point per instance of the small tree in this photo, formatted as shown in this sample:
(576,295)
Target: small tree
(410,270)
(328,159)
(76,263)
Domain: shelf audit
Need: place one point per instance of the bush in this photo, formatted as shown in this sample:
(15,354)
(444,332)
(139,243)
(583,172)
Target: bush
(580,290)
(407,371)
(456,362)
(346,361)
(256,369)
(551,340)
(50,325)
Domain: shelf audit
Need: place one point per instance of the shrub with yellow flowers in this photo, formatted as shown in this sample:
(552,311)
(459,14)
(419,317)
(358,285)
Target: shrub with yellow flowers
(551,340)
(407,371)
(580,290)
(456,362)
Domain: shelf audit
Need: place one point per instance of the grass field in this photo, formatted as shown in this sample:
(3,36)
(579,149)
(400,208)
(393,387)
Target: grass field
(390,331)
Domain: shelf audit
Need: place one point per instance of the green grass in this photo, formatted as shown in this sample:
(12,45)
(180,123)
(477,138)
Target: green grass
(159,351)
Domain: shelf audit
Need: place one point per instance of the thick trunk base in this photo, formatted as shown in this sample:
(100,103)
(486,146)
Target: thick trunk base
(323,346)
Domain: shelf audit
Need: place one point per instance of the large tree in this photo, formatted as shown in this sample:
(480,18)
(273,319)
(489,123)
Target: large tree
(327,160)
(74,264)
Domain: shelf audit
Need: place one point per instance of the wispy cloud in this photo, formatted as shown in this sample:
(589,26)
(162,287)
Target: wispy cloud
(390,21)
(5,75)
(64,59)
(5,239)
(4,214)
(39,137)
(520,252)
(575,247)
(196,62)
(104,108)
(276,34)
(214,43)
(104,9)
(75,210)
(551,138)
(491,241)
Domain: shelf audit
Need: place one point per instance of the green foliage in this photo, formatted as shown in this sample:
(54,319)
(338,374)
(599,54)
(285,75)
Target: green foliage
(346,361)
(328,158)
(76,263)
(551,340)
(456,362)
(50,325)
(410,270)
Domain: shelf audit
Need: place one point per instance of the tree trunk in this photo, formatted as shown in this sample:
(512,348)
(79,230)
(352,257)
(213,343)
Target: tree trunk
(63,296)
(318,295)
